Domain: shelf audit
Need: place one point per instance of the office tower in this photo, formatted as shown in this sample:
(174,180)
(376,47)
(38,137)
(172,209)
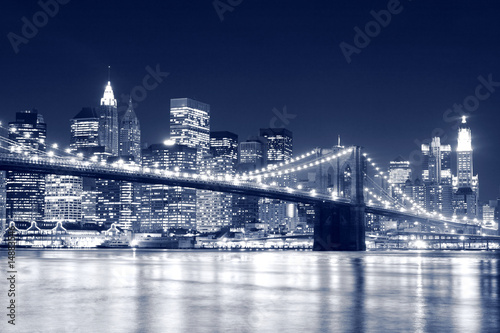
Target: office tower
(279,149)
(223,143)
(25,191)
(252,155)
(436,167)
(163,206)
(465,166)
(279,144)
(89,201)
(130,150)
(63,199)
(214,209)
(107,202)
(85,129)
(108,197)
(437,177)
(416,191)
(465,184)
(130,134)
(399,171)
(190,124)
(85,139)
(108,122)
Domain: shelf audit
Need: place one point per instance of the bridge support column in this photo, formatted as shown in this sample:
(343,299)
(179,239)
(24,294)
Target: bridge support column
(340,228)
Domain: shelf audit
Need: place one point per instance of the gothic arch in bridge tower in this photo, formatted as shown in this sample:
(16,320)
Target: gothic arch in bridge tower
(345,181)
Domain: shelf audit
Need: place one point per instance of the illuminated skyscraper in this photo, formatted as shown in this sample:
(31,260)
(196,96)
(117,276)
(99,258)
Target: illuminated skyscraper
(85,129)
(130,134)
(108,122)
(25,191)
(279,144)
(436,167)
(130,149)
(214,209)
(63,199)
(465,165)
(190,124)
(165,206)
(252,154)
(399,173)
(279,149)
(465,184)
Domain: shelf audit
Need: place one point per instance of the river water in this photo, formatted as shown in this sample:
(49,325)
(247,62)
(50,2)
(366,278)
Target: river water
(125,290)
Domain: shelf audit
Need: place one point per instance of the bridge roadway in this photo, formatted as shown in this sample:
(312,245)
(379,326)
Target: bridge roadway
(138,174)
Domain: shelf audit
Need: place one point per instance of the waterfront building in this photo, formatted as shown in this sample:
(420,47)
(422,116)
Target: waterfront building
(25,191)
(162,206)
(63,199)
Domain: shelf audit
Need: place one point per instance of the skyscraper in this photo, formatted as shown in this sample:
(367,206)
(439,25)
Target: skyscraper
(399,173)
(223,143)
(436,167)
(190,124)
(85,129)
(279,149)
(190,127)
(25,191)
(437,177)
(165,206)
(130,150)
(252,156)
(63,199)
(279,145)
(130,134)
(465,165)
(214,209)
(108,122)
(465,184)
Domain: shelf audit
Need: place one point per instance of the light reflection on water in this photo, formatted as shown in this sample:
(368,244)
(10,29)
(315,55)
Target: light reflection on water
(124,290)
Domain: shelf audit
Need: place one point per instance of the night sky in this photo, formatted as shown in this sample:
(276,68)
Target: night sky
(266,55)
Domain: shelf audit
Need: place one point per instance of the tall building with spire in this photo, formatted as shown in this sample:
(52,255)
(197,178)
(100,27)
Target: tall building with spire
(465,165)
(130,134)
(465,184)
(108,122)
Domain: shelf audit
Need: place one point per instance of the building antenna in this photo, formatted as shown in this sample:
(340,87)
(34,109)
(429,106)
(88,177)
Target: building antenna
(339,140)
(109,73)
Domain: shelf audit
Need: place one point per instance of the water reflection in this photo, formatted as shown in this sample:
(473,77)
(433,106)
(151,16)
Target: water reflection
(160,291)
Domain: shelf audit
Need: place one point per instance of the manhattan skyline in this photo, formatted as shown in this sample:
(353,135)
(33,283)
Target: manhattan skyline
(263,57)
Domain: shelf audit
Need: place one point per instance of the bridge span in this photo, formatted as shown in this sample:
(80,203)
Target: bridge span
(341,222)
